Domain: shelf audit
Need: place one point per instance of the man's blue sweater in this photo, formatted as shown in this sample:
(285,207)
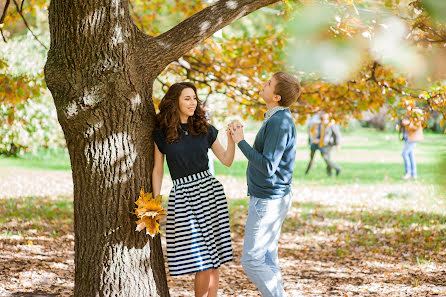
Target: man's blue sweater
(271,159)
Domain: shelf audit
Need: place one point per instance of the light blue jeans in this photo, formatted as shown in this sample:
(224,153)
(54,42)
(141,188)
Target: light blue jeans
(260,258)
(410,165)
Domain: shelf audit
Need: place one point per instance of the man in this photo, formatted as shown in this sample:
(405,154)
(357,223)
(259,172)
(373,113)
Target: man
(324,135)
(269,175)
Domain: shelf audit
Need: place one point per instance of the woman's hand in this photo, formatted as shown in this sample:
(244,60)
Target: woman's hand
(237,131)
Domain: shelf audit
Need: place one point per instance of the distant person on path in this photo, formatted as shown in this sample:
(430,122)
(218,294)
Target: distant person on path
(197,228)
(323,135)
(412,134)
(269,175)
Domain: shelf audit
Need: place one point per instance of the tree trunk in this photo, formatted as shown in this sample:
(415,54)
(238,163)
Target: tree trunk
(100,70)
(107,117)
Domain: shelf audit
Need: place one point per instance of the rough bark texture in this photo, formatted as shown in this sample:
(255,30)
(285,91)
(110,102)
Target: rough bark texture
(100,71)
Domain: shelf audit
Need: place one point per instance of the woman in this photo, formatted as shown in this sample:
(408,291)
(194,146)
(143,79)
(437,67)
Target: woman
(413,133)
(197,235)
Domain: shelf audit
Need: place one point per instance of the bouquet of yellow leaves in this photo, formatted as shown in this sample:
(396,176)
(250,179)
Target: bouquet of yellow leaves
(148,212)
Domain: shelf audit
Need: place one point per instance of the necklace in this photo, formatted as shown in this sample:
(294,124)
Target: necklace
(186,132)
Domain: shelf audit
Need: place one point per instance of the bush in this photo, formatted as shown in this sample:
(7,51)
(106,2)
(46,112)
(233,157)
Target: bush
(25,127)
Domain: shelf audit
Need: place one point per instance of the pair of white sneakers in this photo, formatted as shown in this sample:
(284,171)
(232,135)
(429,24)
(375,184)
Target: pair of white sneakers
(408,176)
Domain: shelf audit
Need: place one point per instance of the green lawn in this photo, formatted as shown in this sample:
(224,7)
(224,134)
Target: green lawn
(370,228)
(367,156)
(42,160)
(352,173)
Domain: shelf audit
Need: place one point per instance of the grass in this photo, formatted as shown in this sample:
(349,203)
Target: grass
(389,231)
(367,156)
(53,159)
(40,213)
(352,173)
(348,233)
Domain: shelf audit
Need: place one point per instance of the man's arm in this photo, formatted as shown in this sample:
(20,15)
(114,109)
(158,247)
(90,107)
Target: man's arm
(274,146)
(337,134)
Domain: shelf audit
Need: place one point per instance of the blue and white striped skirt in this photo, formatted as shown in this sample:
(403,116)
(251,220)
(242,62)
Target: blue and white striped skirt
(197,228)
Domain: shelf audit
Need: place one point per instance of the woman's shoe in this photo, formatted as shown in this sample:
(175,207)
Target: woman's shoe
(406,176)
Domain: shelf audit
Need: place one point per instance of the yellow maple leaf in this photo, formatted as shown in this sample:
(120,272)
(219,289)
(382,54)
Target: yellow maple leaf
(151,225)
(148,211)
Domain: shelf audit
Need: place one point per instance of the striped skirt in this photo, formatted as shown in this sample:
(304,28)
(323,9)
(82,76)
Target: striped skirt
(197,228)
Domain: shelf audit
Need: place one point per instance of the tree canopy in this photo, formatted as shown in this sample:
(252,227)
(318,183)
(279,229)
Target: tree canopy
(352,56)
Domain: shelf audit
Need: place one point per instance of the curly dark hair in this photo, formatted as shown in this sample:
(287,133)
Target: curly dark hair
(168,119)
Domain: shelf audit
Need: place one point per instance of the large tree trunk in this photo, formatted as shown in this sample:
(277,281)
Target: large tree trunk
(107,115)
(100,71)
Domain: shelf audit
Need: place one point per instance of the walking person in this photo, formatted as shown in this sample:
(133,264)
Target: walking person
(324,136)
(269,175)
(313,138)
(412,134)
(197,228)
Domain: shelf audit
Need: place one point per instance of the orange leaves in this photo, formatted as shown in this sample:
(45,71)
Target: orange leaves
(29,9)
(252,49)
(148,211)
(16,89)
(157,16)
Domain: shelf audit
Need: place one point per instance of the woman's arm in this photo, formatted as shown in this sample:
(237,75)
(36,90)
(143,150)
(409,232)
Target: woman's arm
(158,172)
(225,156)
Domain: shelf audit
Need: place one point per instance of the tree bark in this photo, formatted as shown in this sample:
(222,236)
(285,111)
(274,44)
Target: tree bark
(100,70)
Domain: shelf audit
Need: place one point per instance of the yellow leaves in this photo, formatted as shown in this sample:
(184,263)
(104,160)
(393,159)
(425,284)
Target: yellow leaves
(17,88)
(148,211)
(3,64)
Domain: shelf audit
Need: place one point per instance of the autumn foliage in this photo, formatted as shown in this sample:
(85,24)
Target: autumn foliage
(149,212)
(234,62)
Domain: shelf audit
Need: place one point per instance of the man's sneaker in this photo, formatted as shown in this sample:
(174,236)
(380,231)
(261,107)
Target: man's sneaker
(406,176)
(338,171)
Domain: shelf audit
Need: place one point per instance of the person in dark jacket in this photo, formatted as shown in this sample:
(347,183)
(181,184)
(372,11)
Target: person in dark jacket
(324,135)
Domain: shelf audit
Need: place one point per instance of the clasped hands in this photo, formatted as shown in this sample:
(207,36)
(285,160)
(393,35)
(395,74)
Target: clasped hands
(235,131)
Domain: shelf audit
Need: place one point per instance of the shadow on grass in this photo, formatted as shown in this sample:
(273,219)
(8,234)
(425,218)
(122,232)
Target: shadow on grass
(37,213)
(338,247)
(361,251)
(37,293)
(37,254)
(384,230)
(412,235)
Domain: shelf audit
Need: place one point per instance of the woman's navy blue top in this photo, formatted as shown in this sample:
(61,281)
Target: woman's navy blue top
(189,154)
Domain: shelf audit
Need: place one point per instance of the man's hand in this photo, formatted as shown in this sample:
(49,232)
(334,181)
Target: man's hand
(236,129)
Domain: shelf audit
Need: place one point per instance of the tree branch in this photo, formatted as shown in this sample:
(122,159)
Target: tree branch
(183,37)
(19,10)
(5,9)
(164,86)
(3,35)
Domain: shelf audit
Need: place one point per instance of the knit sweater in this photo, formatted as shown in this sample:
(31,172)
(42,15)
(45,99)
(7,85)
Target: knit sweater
(271,159)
